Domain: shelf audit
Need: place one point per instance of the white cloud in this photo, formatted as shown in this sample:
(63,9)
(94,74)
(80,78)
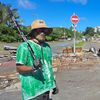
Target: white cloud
(27,4)
(83,2)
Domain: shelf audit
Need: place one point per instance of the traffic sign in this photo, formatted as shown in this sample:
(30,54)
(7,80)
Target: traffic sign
(74,19)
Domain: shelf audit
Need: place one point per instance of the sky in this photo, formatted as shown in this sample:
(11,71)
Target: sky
(57,13)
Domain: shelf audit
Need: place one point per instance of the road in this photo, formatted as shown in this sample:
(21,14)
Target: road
(79,84)
(74,84)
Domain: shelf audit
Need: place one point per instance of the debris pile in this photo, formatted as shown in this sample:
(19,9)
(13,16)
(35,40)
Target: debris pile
(71,49)
(10,54)
(8,80)
(62,61)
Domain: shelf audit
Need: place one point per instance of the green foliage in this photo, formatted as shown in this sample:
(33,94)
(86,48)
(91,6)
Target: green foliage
(97,33)
(48,38)
(80,44)
(89,31)
(4,15)
(8,33)
(7,38)
(78,35)
(70,33)
(58,32)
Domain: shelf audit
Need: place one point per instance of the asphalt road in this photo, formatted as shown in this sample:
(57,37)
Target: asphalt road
(74,84)
(82,84)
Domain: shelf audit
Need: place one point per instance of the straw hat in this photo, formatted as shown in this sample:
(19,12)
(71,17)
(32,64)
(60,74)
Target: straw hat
(39,24)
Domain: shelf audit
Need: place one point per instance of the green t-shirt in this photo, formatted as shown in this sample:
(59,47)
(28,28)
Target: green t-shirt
(41,81)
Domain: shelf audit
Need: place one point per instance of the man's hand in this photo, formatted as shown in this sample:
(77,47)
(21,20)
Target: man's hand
(37,64)
(55,90)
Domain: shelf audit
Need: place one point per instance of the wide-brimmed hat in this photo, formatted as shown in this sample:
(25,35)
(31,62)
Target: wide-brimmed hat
(39,26)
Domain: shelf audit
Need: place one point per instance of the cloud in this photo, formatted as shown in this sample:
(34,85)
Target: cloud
(27,4)
(83,2)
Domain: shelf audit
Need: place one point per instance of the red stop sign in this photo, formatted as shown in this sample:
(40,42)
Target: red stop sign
(74,19)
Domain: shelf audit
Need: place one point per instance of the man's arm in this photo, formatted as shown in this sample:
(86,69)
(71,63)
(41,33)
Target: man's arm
(21,58)
(23,68)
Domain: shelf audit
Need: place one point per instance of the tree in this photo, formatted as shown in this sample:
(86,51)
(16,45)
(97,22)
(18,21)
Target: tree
(4,14)
(8,33)
(89,31)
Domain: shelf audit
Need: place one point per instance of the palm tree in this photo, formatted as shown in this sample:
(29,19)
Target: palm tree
(4,15)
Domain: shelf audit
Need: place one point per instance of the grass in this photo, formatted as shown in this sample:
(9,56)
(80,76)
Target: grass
(80,44)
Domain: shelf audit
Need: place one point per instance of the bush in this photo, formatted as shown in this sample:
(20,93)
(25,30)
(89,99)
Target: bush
(6,38)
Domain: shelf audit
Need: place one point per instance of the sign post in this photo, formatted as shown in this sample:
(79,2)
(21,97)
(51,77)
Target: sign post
(74,19)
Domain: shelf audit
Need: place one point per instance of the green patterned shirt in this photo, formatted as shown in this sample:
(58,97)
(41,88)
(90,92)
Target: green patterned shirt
(41,81)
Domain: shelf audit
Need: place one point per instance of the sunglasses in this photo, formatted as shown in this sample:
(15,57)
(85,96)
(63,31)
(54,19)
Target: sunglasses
(42,30)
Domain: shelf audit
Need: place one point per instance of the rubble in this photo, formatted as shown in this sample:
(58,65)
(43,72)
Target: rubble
(10,55)
(9,48)
(5,59)
(70,50)
(8,80)
(65,60)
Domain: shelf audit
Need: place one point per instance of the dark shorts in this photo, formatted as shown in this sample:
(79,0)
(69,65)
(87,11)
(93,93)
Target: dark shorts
(44,96)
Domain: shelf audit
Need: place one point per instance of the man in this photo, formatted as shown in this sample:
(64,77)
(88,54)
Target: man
(36,81)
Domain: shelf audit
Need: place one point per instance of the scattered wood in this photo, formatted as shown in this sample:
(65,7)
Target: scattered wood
(13,57)
(12,51)
(85,50)
(10,48)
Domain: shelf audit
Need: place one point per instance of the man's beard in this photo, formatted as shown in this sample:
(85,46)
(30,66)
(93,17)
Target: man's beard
(41,40)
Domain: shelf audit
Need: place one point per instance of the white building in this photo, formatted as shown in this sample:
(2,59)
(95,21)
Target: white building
(97,29)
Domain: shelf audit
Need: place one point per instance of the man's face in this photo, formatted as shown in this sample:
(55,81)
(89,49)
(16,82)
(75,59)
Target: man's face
(40,33)
(40,37)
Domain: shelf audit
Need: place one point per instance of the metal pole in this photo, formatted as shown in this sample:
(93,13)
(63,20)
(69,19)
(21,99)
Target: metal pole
(74,39)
